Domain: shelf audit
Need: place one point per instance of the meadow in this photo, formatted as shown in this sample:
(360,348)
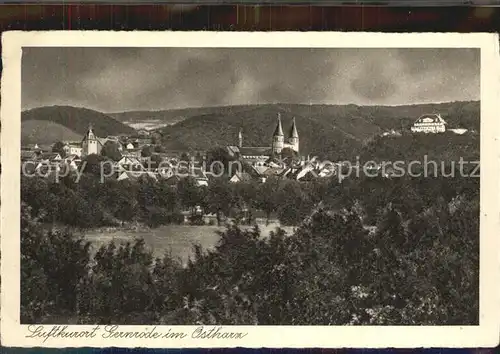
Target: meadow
(177,241)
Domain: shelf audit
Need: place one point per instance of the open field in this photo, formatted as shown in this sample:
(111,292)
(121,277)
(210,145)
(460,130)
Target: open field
(178,240)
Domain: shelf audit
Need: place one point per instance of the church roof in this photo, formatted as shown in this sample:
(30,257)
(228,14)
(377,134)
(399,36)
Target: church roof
(255,151)
(233,150)
(90,134)
(293,130)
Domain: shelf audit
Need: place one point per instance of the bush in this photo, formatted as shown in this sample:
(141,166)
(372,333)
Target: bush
(53,264)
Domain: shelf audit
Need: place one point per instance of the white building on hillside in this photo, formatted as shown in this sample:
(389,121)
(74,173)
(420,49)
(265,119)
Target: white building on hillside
(429,123)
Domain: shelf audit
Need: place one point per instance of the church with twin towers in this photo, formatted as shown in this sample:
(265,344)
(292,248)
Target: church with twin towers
(279,142)
(292,140)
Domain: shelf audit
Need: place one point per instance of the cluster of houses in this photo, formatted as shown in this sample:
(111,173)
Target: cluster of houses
(92,144)
(53,165)
(46,161)
(281,159)
(257,163)
(50,161)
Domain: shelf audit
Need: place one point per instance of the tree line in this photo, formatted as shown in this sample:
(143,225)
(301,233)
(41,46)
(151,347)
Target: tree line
(418,265)
(89,203)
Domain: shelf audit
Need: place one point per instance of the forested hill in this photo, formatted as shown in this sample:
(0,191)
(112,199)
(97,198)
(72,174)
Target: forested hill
(333,130)
(46,125)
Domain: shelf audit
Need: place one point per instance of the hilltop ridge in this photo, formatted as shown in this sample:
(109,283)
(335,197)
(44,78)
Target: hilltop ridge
(46,125)
(324,130)
(328,130)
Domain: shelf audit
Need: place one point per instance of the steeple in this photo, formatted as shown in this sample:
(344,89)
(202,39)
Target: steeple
(90,132)
(278,137)
(293,137)
(293,130)
(279,129)
(240,138)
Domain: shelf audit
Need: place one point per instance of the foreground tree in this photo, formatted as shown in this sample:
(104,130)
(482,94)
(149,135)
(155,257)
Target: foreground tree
(111,151)
(53,263)
(267,198)
(219,198)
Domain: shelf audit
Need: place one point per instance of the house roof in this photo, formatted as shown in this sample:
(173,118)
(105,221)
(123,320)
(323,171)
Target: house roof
(26,154)
(103,141)
(273,171)
(242,176)
(430,118)
(49,155)
(30,147)
(274,160)
(250,169)
(304,172)
(129,159)
(72,143)
(137,175)
(72,157)
(259,170)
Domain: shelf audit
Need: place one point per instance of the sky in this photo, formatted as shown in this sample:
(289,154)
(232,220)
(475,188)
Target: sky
(125,79)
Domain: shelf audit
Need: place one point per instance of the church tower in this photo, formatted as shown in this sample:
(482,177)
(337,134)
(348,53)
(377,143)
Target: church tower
(278,137)
(293,137)
(89,143)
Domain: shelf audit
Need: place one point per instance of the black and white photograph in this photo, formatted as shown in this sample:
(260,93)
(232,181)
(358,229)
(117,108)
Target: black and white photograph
(212,186)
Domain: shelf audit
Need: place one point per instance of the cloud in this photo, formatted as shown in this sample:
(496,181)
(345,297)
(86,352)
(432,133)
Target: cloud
(119,79)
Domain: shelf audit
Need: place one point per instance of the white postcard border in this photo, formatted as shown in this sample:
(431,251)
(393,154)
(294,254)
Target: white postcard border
(485,335)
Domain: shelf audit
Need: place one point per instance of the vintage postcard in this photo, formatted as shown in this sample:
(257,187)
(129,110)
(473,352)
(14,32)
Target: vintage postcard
(203,189)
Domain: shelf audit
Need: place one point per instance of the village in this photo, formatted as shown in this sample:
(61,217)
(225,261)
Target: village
(141,156)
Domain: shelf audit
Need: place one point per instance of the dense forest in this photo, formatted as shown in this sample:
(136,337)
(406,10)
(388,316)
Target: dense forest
(330,131)
(417,265)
